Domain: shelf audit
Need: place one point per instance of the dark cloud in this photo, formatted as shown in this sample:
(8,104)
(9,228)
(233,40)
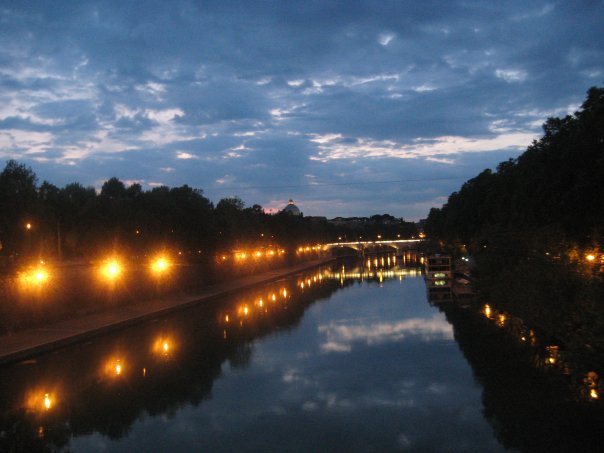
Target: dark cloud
(270,100)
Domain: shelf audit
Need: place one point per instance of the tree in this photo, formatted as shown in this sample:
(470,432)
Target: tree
(18,197)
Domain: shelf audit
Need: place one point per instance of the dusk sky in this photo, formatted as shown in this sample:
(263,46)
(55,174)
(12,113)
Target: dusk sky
(351,108)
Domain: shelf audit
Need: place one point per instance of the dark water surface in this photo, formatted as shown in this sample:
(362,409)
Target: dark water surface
(327,361)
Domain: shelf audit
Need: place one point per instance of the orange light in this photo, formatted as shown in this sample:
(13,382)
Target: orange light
(34,278)
(47,401)
(593,393)
(112,269)
(38,401)
(114,367)
(160,265)
(487,311)
(590,257)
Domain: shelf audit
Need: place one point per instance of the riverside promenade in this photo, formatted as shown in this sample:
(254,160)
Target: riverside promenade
(25,344)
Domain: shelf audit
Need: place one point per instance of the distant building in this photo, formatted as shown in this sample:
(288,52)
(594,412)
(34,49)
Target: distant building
(292,209)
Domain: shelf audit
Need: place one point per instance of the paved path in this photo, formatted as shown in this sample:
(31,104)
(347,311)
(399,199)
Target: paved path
(27,343)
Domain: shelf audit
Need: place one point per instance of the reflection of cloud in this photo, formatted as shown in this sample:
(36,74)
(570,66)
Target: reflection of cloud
(341,336)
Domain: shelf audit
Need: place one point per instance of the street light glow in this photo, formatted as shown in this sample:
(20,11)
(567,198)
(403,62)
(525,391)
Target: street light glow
(111,269)
(160,265)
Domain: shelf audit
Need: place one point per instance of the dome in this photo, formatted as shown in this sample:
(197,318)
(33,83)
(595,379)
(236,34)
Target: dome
(291,208)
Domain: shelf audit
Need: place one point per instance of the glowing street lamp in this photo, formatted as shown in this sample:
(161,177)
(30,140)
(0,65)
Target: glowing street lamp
(160,265)
(34,278)
(111,270)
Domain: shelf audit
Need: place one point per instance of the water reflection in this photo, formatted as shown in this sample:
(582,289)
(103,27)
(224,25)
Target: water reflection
(105,385)
(375,368)
(584,384)
(341,337)
(535,395)
(377,269)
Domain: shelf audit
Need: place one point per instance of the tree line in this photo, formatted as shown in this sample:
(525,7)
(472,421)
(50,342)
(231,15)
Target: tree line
(552,194)
(534,227)
(77,222)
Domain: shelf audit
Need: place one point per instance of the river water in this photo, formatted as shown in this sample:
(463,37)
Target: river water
(345,358)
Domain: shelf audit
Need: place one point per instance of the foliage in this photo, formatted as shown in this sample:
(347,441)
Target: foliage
(532,222)
(553,190)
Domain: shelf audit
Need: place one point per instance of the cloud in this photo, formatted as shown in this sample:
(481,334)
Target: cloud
(511,75)
(331,147)
(185,156)
(386,38)
(368,91)
(342,337)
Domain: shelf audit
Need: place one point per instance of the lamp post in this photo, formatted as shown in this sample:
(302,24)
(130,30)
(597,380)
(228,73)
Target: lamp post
(28,227)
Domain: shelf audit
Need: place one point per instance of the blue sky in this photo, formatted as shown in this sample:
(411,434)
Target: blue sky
(351,108)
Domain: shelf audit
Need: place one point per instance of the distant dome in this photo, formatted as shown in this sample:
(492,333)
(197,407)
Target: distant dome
(291,208)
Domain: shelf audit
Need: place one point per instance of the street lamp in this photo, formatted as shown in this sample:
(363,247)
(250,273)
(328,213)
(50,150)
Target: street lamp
(28,227)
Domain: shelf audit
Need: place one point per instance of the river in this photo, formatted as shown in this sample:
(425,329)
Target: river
(351,357)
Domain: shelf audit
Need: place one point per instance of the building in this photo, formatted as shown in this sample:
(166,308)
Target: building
(292,209)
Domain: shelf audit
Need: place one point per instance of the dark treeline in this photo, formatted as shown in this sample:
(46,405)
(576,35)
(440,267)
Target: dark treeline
(77,222)
(552,193)
(535,226)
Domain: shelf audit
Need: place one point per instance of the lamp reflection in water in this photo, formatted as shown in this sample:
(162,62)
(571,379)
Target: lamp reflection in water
(552,355)
(40,401)
(114,367)
(591,383)
(487,311)
(163,346)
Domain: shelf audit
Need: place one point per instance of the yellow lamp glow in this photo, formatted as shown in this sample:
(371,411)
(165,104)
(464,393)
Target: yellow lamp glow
(35,278)
(487,311)
(160,265)
(590,257)
(111,270)
(47,401)
(593,393)
(40,400)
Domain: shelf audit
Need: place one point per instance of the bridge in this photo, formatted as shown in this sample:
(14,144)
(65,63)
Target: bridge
(397,245)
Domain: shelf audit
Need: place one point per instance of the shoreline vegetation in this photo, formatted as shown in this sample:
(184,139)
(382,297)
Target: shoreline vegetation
(534,229)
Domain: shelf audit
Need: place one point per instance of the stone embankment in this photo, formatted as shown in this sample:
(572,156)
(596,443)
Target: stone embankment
(28,343)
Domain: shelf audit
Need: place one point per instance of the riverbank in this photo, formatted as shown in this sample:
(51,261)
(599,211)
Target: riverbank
(28,343)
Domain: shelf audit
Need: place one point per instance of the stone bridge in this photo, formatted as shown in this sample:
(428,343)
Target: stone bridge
(363,247)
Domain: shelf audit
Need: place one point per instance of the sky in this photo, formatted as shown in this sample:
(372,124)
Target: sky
(350,108)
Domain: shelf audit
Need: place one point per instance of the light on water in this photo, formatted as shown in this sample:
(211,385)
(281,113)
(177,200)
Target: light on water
(346,358)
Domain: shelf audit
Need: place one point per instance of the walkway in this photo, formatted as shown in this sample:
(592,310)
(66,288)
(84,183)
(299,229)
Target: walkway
(28,343)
